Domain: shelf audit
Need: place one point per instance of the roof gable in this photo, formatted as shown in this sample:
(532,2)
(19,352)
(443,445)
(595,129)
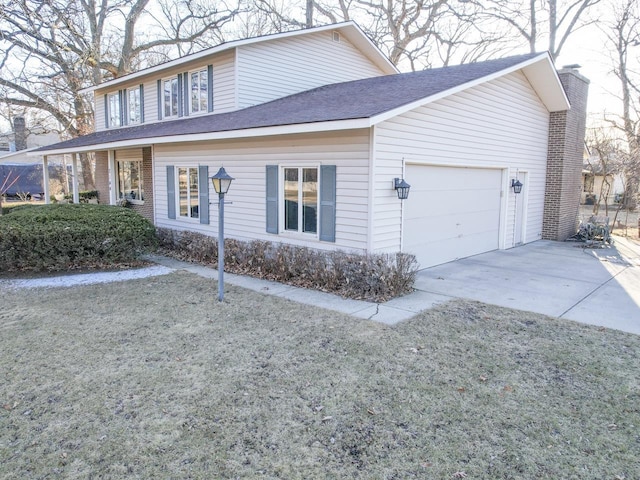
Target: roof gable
(349,29)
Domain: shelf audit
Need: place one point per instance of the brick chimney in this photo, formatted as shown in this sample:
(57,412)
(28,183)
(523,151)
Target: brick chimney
(20,133)
(564,159)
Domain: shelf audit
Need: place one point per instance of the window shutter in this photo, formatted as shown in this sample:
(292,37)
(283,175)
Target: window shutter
(106,111)
(203,193)
(185,84)
(272,199)
(124,114)
(210,87)
(328,203)
(180,97)
(141,103)
(171,191)
(160,98)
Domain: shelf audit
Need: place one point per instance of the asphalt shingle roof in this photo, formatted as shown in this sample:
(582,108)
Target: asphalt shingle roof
(357,99)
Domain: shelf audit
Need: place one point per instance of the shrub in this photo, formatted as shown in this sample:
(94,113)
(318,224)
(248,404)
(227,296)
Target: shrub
(62,237)
(374,277)
(84,196)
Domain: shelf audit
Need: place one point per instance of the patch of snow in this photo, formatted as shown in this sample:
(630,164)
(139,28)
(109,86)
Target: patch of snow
(86,278)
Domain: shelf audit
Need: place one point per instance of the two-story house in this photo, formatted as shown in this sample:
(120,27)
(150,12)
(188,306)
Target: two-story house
(316,126)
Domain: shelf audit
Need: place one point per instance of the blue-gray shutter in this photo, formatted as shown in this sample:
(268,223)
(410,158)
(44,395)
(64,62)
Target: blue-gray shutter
(185,84)
(272,198)
(210,87)
(160,100)
(328,203)
(180,96)
(141,103)
(124,114)
(106,111)
(203,193)
(171,191)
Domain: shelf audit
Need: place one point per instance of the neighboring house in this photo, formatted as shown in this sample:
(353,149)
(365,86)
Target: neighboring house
(315,125)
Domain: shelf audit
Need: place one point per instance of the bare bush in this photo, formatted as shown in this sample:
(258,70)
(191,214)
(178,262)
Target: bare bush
(374,277)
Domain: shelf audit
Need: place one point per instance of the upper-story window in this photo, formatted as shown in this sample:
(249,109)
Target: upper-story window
(114,114)
(170,97)
(134,105)
(199,86)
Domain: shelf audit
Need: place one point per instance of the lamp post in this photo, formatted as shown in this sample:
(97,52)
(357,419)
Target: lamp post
(221,183)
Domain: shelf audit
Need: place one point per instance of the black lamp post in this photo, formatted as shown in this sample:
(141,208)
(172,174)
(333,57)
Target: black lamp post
(402,188)
(221,183)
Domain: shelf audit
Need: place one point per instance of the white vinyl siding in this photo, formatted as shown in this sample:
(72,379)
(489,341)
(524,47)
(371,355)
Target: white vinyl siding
(246,161)
(499,124)
(275,69)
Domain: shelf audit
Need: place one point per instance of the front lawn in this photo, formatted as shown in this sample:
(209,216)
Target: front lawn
(155,379)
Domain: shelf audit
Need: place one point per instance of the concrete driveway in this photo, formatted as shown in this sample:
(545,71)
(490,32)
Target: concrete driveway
(561,279)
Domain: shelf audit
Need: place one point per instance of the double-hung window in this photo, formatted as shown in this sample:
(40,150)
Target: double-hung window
(130,184)
(134,106)
(301,199)
(188,192)
(114,115)
(199,88)
(170,97)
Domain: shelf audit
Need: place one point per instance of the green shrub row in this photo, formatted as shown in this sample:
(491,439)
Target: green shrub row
(373,277)
(63,237)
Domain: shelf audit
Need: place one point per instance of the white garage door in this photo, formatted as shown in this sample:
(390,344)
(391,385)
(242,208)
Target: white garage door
(451,213)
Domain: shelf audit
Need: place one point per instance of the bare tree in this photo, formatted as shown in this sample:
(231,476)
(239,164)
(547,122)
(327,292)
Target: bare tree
(412,33)
(538,21)
(624,36)
(50,50)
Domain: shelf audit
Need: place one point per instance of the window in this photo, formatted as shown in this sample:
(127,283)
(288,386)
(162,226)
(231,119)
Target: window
(170,97)
(130,185)
(114,115)
(134,105)
(188,194)
(199,91)
(301,200)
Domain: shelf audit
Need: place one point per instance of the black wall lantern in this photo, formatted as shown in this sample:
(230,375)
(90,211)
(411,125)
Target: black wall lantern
(516,185)
(402,188)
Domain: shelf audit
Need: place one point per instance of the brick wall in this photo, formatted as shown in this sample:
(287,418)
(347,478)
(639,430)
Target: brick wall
(102,176)
(146,210)
(564,160)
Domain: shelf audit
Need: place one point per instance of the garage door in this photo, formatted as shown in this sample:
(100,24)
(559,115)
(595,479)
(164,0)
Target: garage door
(451,213)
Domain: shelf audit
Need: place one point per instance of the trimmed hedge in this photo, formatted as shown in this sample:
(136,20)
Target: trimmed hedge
(63,237)
(373,277)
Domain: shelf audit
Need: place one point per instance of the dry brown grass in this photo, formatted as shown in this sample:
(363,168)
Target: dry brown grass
(156,379)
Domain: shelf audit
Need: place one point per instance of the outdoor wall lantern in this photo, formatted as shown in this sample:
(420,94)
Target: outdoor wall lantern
(402,188)
(221,183)
(516,185)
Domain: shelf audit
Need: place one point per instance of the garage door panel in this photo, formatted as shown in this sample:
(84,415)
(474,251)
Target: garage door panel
(451,213)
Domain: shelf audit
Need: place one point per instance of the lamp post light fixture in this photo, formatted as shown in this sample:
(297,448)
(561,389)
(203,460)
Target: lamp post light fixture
(221,183)
(516,185)
(402,188)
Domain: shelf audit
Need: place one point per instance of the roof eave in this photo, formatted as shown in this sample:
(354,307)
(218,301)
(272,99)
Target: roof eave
(312,127)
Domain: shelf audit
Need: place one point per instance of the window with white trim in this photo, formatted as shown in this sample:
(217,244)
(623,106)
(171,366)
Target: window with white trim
(300,206)
(114,114)
(134,106)
(187,192)
(199,88)
(171,97)
(130,182)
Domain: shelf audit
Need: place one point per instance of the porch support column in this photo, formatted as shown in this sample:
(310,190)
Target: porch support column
(74,178)
(112,177)
(45,178)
